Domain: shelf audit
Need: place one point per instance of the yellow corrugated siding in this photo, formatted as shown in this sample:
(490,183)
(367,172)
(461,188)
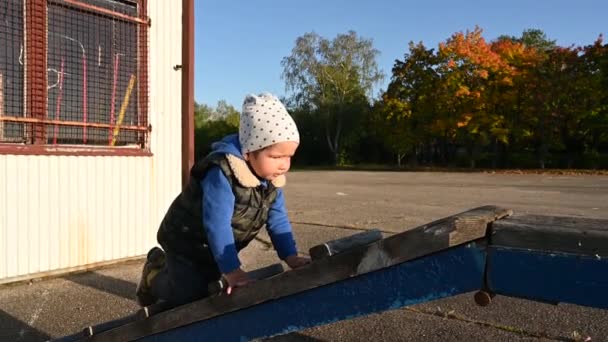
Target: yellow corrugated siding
(64,212)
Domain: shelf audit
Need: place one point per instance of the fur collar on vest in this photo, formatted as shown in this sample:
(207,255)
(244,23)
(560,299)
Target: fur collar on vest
(244,175)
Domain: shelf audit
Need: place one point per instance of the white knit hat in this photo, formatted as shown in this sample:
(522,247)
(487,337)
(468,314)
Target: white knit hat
(264,122)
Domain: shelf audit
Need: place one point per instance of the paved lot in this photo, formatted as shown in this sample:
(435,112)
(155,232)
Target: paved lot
(325,205)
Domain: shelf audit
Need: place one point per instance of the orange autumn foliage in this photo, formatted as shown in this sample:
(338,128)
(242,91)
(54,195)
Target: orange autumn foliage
(471,47)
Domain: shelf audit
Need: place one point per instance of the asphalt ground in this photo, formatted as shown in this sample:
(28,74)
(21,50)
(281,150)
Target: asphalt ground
(325,205)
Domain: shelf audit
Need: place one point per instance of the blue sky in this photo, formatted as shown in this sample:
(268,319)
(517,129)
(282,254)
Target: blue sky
(239,45)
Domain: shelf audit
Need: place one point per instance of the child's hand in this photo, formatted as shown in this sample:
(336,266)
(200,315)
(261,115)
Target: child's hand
(236,278)
(295,261)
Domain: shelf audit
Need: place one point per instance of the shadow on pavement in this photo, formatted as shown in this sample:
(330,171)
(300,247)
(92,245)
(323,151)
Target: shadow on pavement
(13,329)
(105,283)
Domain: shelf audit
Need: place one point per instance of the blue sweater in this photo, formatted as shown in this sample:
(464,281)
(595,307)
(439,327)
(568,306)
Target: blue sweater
(218,208)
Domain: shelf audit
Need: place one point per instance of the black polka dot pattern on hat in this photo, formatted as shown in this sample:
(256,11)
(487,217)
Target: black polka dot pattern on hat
(260,114)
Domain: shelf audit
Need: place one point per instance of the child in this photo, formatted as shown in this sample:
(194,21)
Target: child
(231,195)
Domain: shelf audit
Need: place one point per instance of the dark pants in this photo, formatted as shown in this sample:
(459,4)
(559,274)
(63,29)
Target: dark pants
(181,281)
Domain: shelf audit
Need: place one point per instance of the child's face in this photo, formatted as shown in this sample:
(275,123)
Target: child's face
(272,161)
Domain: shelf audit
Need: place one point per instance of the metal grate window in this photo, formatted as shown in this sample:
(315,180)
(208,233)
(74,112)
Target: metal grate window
(11,69)
(94,90)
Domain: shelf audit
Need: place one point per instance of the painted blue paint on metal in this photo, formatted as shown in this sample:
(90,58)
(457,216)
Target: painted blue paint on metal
(480,259)
(549,277)
(439,275)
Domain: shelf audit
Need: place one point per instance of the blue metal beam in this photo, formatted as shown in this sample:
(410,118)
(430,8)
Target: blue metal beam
(548,276)
(447,273)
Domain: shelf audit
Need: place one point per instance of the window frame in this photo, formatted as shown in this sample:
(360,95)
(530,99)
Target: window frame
(36,92)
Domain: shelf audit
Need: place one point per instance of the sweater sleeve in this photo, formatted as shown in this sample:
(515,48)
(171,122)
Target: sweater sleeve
(218,207)
(279,228)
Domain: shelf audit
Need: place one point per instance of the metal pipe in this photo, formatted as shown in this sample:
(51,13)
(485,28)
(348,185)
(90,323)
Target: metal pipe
(58,104)
(71,123)
(187,89)
(101,10)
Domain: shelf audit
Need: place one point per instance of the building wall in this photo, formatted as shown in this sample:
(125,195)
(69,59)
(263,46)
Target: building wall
(62,213)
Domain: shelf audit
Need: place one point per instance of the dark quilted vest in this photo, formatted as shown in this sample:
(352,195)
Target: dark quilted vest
(181,230)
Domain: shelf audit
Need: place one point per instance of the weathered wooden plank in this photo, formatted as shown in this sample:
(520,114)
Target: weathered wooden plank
(551,277)
(399,248)
(146,312)
(261,273)
(338,246)
(552,233)
(447,273)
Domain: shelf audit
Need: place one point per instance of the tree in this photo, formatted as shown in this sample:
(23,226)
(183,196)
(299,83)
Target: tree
(537,39)
(471,75)
(202,113)
(594,121)
(511,97)
(227,113)
(212,124)
(533,39)
(391,122)
(330,76)
(409,111)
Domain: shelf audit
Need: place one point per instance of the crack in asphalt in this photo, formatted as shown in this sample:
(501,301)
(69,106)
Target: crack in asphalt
(452,315)
(341,227)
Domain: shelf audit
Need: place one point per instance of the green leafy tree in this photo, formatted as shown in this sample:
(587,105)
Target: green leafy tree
(532,38)
(594,82)
(329,77)
(202,113)
(212,124)
(409,112)
(228,113)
